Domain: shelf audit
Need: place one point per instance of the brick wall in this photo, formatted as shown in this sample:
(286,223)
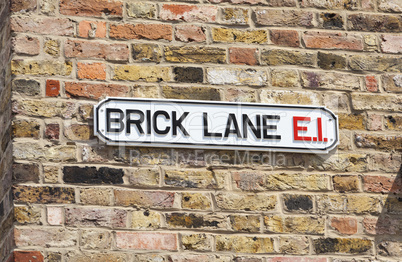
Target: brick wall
(6,206)
(77,199)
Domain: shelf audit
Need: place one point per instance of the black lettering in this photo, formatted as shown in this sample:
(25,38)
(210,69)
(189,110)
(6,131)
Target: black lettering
(205,122)
(110,120)
(236,130)
(267,127)
(136,122)
(177,123)
(155,124)
(247,122)
(149,122)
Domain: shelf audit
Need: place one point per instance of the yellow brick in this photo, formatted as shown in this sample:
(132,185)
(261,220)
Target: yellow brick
(234,35)
(243,244)
(141,73)
(46,67)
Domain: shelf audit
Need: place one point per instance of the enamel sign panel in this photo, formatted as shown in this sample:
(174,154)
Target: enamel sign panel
(215,125)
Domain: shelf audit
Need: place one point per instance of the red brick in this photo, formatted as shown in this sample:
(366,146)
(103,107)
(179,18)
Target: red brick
(52,87)
(93,49)
(44,26)
(146,241)
(243,56)
(94,91)
(285,38)
(28,256)
(382,225)
(391,44)
(382,184)
(52,131)
(344,225)
(188,13)
(190,33)
(91,71)
(141,31)
(371,84)
(332,41)
(92,29)
(26,45)
(91,8)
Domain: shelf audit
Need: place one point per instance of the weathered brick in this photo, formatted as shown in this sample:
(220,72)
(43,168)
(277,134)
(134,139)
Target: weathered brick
(52,47)
(331,20)
(48,7)
(230,35)
(279,3)
(188,74)
(241,223)
(31,256)
(284,37)
(95,8)
(293,245)
(390,248)
(26,128)
(240,95)
(52,131)
(362,204)
(45,237)
(55,215)
(198,221)
(273,17)
(152,199)
(146,241)
(376,102)
(195,201)
(141,31)
(391,44)
(371,84)
(190,33)
(379,141)
(247,202)
(374,122)
(52,88)
(196,257)
(382,184)
(390,6)
(150,257)
(283,181)
(41,67)
(137,72)
(331,61)
(385,162)
(374,23)
(145,220)
(342,245)
(26,45)
(198,93)
(192,54)
(277,57)
(33,151)
(331,204)
(325,40)
(93,71)
(244,244)
(25,172)
(331,4)
(234,16)
(96,240)
(143,177)
(26,87)
(382,225)
(223,76)
(284,78)
(298,203)
(141,10)
(23,6)
(146,52)
(43,195)
(92,29)
(197,242)
(392,83)
(114,218)
(44,26)
(27,214)
(290,97)
(53,256)
(330,80)
(351,121)
(246,56)
(188,13)
(90,175)
(191,179)
(85,112)
(370,43)
(83,257)
(375,63)
(94,91)
(95,196)
(94,50)
(346,183)
(344,225)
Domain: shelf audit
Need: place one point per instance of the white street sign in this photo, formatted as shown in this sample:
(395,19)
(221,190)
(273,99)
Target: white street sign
(215,125)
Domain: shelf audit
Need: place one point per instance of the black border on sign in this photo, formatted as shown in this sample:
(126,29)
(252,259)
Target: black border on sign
(119,142)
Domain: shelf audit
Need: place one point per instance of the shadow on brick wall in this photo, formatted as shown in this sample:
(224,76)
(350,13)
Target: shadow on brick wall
(388,228)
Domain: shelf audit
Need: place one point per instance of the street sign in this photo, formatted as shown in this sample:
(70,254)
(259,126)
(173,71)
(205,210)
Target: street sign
(215,125)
